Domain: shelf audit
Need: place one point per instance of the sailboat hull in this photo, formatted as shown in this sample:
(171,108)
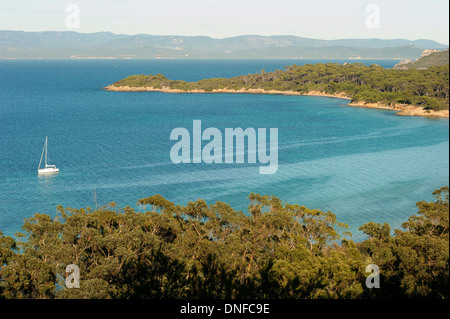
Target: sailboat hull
(48,171)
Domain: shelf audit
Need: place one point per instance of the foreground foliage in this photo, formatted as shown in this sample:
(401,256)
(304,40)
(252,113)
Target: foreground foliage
(372,84)
(278,250)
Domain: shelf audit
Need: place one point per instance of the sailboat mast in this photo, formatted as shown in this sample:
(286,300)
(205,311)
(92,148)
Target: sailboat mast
(46,153)
(43,150)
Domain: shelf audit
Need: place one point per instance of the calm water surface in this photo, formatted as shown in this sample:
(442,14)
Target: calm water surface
(362,164)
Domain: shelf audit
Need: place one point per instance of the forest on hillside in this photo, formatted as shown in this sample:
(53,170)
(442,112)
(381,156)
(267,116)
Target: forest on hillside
(423,88)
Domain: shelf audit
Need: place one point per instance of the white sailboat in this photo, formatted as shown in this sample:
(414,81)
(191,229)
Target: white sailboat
(48,169)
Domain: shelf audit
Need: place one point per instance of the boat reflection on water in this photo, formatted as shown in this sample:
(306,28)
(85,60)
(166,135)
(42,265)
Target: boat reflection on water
(46,180)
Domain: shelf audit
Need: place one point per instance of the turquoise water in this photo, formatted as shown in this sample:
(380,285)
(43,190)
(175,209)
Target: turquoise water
(361,164)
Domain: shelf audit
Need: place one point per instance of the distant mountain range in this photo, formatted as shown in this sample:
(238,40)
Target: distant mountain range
(69,44)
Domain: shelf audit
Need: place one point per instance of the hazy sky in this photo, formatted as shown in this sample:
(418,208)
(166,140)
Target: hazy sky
(322,19)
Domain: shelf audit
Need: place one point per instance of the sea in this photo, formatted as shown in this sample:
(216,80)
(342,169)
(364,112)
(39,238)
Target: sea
(361,164)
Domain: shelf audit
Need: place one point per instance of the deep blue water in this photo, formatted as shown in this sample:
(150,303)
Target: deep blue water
(362,164)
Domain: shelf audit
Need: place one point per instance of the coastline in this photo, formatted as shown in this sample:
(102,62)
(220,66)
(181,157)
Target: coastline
(402,110)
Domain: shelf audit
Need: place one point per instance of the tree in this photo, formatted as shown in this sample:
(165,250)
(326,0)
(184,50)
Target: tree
(276,250)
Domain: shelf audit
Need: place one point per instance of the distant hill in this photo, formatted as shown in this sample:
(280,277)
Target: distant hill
(429,58)
(67,44)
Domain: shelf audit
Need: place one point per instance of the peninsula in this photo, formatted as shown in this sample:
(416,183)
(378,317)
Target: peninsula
(411,92)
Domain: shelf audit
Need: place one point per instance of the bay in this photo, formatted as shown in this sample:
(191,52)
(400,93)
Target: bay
(361,164)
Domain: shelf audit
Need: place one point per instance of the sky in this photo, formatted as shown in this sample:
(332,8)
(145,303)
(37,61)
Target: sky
(318,19)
